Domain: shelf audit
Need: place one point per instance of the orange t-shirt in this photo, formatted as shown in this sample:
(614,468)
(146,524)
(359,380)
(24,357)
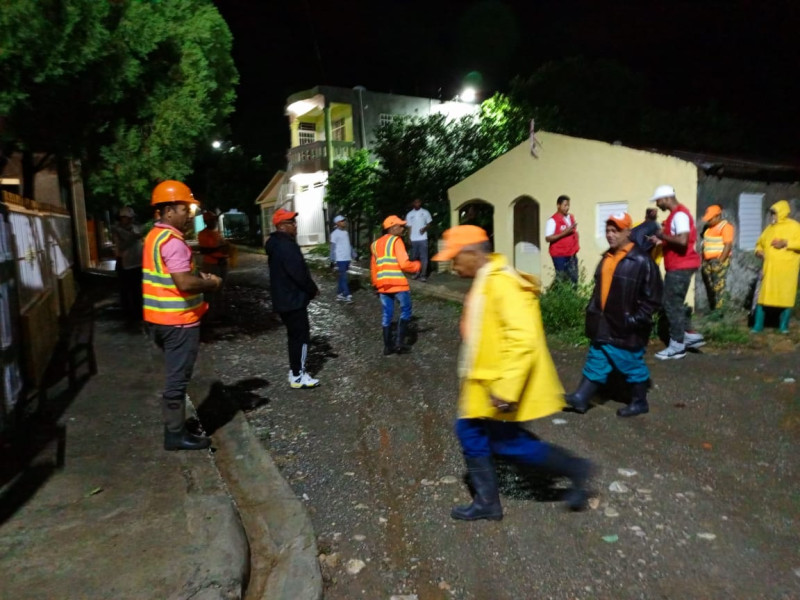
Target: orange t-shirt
(610,262)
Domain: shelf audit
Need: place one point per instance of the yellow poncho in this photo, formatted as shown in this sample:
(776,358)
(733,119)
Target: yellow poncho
(504,352)
(781,265)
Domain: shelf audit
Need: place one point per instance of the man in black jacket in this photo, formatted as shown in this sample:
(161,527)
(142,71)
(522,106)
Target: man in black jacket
(627,291)
(292,289)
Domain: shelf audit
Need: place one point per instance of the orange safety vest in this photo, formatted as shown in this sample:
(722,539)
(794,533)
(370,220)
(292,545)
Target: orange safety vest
(714,240)
(389,260)
(164,303)
(211,238)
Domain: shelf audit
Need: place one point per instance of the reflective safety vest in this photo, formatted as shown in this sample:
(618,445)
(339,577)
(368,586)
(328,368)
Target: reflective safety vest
(713,240)
(389,260)
(164,303)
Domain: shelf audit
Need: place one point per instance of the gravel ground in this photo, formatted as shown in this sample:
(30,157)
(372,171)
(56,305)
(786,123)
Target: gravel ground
(697,499)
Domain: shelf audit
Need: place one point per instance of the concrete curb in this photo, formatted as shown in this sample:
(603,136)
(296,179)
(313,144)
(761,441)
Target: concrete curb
(283,549)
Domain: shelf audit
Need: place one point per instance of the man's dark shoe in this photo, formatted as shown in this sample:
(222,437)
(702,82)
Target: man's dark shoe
(388,346)
(638,405)
(183,440)
(578,470)
(402,332)
(578,400)
(486,501)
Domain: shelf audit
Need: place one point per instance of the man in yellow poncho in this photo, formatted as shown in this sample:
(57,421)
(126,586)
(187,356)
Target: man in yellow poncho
(506,375)
(779,246)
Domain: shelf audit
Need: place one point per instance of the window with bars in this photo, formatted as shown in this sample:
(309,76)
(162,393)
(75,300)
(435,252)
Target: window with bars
(337,130)
(386,118)
(306,133)
(605,210)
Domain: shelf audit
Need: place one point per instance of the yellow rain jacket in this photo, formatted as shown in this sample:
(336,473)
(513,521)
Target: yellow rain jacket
(781,265)
(504,352)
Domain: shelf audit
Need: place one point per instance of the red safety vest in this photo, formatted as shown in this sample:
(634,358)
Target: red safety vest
(567,245)
(688,258)
(164,303)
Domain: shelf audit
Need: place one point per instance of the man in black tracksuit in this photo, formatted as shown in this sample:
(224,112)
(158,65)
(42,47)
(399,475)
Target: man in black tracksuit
(292,289)
(627,291)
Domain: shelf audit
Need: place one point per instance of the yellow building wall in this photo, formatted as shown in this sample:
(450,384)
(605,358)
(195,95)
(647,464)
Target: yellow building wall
(589,172)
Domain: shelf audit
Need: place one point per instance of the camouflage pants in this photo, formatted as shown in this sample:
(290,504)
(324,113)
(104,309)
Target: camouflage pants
(714,274)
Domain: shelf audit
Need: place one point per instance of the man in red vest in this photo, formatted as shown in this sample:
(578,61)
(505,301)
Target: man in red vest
(562,235)
(677,238)
(172,293)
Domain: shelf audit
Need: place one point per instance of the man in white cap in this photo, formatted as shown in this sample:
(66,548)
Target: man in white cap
(677,238)
(627,291)
(341,254)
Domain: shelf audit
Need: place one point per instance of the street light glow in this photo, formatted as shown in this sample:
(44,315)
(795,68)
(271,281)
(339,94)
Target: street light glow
(469,94)
(216,144)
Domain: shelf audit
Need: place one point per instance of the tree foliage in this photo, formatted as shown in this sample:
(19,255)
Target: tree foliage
(131,87)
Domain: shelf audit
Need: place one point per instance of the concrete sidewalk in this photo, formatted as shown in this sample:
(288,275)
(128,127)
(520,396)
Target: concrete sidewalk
(123,518)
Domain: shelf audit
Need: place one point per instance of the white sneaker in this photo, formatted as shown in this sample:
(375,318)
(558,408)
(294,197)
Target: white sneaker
(693,340)
(302,381)
(341,298)
(348,299)
(673,351)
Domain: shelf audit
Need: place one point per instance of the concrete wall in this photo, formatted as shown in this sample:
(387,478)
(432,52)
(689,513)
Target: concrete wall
(591,173)
(726,191)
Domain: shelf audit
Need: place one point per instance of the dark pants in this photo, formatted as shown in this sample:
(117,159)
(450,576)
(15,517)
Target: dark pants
(298,332)
(180,346)
(484,437)
(419,251)
(676,284)
(566,266)
(130,292)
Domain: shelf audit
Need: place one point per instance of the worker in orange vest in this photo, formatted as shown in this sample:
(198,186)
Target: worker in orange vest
(388,264)
(172,292)
(216,252)
(718,237)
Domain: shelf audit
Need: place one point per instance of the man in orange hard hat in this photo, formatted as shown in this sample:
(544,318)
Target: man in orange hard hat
(172,292)
(718,237)
(388,264)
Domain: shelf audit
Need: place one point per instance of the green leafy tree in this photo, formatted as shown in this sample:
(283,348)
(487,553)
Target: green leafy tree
(351,190)
(131,87)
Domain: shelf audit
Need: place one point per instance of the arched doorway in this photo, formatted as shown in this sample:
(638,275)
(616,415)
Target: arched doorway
(527,244)
(480,213)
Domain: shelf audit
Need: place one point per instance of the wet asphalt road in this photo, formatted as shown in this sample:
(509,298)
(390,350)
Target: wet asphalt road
(708,483)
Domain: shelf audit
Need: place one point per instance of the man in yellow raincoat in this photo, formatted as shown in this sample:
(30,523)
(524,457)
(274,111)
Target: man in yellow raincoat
(779,246)
(507,375)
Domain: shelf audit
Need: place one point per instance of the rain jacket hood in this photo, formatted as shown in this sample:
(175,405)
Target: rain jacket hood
(782,210)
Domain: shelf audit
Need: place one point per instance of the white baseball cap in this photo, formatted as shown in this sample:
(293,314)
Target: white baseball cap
(338,219)
(126,211)
(663,191)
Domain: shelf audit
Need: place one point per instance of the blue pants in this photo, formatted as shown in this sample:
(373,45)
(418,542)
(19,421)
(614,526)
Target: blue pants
(343,285)
(484,437)
(566,266)
(387,301)
(604,358)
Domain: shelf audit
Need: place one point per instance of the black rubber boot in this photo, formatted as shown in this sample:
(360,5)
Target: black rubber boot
(577,470)
(388,347)
(183,440)
(486,501)
(638,405)
(402,331)
(579,399)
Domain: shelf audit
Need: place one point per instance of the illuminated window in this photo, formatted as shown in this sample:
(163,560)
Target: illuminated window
(307,133)
(337,130)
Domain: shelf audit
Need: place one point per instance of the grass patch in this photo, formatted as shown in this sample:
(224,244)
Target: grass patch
(725,326)
(564,311)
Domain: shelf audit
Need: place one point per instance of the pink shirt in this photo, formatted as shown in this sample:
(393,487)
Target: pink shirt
(176,253)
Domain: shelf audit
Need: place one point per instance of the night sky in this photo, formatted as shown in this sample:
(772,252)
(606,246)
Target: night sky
(743,54)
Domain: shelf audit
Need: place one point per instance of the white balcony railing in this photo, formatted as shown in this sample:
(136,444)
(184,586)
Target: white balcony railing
(314,157)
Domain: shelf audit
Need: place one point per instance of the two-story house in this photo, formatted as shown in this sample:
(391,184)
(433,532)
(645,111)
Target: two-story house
(327,124)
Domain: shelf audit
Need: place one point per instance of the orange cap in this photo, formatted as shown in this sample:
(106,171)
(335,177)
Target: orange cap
(391,221)
(282,215)
(459,237)
(712,211)
(622,220)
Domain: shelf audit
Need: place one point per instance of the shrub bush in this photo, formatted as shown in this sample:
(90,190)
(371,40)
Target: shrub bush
(564,310)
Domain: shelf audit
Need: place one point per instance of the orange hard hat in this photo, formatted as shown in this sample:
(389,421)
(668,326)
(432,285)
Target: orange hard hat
(172,191)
